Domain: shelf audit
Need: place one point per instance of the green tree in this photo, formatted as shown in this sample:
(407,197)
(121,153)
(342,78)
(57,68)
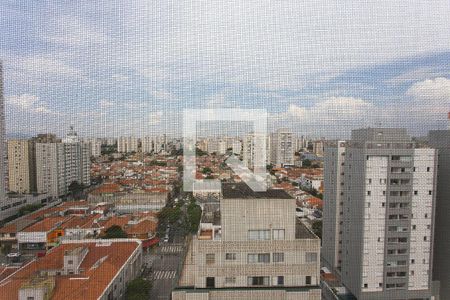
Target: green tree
(206,170)
(306,163)
(138,289)
(194,214)
(28,209)
(75,188)
(115,232)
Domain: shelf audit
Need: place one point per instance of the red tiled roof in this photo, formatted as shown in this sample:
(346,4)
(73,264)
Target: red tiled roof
(95,279)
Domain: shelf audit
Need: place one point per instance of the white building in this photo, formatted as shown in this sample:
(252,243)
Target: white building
(147,144)
(250,246)
(127,144)
(60,164)
(282,148)
(255,148)
(379,214)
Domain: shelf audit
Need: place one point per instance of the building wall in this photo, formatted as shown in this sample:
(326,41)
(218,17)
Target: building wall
(388,213)
(129,271)
(2,139)
(241,215)
(256,294)
(21,166)
(333,205)
(440,139)
(294,268)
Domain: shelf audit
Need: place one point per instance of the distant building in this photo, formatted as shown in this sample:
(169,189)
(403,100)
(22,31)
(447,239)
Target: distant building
(318,148)
(440,139)
(255,148)
(379,214)
(250,246)
(93,269)
(127,144)
(2,140)
(147,144)
(60,164)
(282,148)
(21,166)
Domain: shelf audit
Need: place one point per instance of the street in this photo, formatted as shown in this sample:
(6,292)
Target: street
(164,264)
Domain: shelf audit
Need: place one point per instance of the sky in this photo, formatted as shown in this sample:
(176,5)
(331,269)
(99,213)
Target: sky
(319,67)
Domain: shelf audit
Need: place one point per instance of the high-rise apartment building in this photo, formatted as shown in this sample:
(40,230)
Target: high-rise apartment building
(2,139)
(250,246)
(282,148)
(96,146)
(60,164)
(253,150)
(127,144)
(379,214)
(440,139)
(21,166)
(147,144)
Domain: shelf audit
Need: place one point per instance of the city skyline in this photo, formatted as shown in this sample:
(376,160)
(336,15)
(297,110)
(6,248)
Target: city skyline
(131,70)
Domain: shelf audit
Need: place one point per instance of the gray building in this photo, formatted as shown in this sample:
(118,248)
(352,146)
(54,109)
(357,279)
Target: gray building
(440,139)
(2,139)
(379,214)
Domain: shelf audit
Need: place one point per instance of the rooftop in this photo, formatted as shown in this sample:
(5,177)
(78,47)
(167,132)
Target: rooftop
(94,280)
(243,191)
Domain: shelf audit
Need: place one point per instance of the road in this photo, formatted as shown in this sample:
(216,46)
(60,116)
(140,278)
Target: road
(165,263)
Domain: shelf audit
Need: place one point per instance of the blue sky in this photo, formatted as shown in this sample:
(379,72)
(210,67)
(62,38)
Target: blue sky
(130,67)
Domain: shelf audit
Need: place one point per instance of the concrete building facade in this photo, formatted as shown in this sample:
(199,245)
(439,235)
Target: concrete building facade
(282,148)
(250,246)
(440,139)
(379,214)
(21,166)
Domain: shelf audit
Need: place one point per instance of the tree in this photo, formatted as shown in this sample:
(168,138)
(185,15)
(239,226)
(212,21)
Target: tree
(206,170)
(138,289)
(194,214)
(306,163)
(75,188)
(28,209)
(115,232)
(200,152)
(317,228)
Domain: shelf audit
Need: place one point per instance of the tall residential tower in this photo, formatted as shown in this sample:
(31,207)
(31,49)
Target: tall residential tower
(379,214)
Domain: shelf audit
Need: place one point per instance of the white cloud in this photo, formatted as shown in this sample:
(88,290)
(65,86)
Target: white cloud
(418,75)
(29,103)
(297,111)
(24,101)
(431,91)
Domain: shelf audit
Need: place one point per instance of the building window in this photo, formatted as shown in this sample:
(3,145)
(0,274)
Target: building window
(230,256)
(210,282)
(230,280)
(260,280)
(258,258)
(259,234)
(210,258)
(278,257)
(280,280)
(308,280)
(311,257)
(278,234)
(70,262)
